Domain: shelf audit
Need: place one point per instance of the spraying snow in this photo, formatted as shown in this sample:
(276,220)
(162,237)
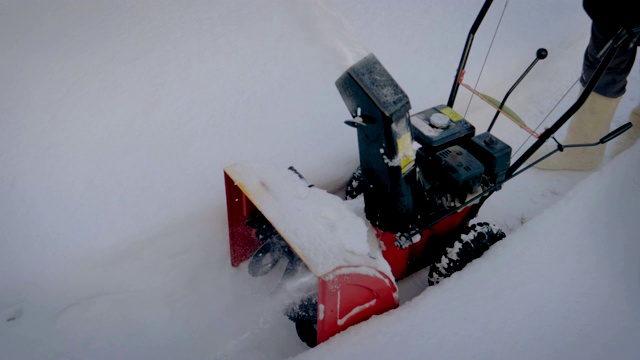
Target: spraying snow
(328,27)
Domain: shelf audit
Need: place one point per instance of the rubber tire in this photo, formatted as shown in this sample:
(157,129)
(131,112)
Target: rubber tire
(307,332)
(486,235)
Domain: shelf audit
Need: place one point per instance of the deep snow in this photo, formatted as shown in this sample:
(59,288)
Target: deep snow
(118,117)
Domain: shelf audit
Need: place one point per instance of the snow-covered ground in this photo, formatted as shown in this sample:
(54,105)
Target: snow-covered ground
(117,117)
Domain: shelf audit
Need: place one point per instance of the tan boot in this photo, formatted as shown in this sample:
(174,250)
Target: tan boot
(629,138)
(588,125)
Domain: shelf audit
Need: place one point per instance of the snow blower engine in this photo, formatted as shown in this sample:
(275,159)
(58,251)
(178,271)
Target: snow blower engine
(414,169)
(422,178)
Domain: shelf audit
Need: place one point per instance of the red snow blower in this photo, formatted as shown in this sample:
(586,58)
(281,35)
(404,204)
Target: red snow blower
(422,178)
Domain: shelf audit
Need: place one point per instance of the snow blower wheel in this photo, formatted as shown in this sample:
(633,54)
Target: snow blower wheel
(458,250)
(307,332)
(304,314)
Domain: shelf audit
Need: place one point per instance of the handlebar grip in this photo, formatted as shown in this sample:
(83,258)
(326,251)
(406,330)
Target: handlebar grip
(615,133)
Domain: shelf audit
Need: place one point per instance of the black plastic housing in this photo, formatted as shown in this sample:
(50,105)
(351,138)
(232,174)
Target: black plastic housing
(380,109)
(432,139)
(493,153)
(457,170)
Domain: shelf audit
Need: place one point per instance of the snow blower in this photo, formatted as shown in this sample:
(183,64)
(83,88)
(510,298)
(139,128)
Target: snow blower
(422,178)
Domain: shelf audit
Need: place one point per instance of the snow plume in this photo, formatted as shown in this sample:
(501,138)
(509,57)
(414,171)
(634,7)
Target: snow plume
(328,27)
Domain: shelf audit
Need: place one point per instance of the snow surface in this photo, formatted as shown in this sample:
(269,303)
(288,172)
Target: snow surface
(117,118)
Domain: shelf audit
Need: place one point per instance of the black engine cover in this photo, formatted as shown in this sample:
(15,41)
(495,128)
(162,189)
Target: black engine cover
(457,170)
(454,130)
(493,153)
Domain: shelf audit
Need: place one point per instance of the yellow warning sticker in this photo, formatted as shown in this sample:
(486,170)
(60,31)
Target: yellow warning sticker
(406,153)
(454,116)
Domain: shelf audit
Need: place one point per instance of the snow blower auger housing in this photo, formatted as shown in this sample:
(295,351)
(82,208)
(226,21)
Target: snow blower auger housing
(421,179)
(353,281)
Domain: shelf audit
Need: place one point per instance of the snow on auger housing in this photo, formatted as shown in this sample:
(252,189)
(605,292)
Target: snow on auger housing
(422,178)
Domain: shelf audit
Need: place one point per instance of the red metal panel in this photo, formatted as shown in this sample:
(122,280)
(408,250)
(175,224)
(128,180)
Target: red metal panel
(242,242)
(417,253)
(405,262)
(350,295)
(451,222)
(397,258)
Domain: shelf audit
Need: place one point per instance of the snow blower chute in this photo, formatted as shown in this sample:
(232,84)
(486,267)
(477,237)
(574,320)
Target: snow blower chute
(422,178)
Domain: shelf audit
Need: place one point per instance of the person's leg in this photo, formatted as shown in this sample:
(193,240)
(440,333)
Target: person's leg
(593,120)
(613,82)
(590,123)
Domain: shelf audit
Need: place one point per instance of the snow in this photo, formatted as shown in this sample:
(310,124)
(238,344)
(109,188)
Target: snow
(118,118)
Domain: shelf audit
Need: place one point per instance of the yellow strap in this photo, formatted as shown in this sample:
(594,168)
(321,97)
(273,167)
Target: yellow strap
(506,111)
